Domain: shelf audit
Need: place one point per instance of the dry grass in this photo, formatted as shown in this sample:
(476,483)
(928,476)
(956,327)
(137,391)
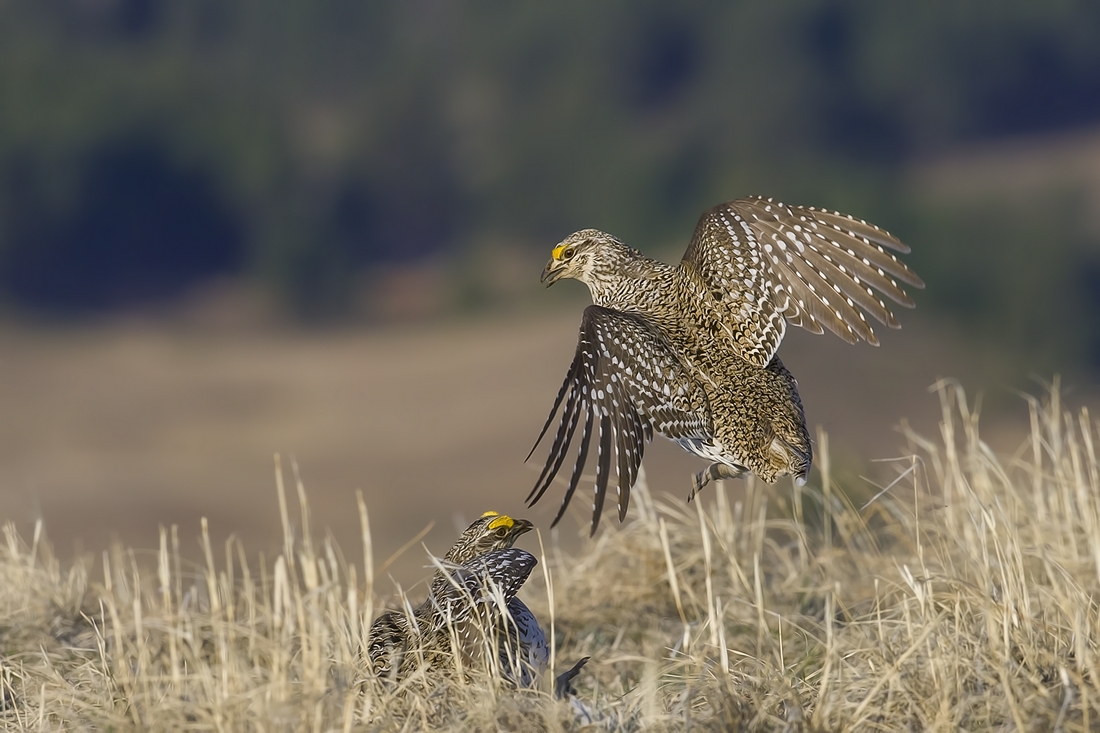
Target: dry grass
(964,596)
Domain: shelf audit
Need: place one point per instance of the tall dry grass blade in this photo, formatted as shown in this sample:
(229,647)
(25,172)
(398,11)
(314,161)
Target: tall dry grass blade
(284,517)
(142,653)
(821,713)
(303,509)
(368,559)
(165,578)
(761,618)
(824,466)
(549,581)
(673,583)
(32,560)
(712,620)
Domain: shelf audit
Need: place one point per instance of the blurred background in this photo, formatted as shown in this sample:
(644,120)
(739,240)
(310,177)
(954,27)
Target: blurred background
(230,228)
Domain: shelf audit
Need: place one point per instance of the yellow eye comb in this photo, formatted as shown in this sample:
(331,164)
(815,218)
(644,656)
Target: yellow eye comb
(501,521)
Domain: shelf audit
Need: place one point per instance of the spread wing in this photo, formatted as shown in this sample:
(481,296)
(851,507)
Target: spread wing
(625,382)
(770,263)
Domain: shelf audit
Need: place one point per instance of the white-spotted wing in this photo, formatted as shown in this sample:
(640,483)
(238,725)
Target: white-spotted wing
(625,382)
(770,263)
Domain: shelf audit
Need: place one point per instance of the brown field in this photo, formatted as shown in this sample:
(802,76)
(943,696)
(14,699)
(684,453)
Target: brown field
(111,430)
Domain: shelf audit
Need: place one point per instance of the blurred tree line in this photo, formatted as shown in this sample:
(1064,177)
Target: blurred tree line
(149,145)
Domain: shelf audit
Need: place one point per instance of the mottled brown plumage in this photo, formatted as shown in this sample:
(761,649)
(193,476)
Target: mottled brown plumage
(473,614)
(480,576)
(689,350)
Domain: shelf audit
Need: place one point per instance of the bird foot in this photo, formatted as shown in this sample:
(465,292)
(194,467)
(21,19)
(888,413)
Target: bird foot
(713,472)
(563,685)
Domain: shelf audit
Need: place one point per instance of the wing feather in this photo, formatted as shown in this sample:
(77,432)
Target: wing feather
(560,447)
(603,468)
(771,263)
(578,468)
(628,382)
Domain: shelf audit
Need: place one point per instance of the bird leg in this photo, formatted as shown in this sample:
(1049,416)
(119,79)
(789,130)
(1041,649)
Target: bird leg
(713,472)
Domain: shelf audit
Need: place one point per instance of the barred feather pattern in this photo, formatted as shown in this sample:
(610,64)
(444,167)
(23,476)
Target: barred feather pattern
(394,633)
(625,382)
(689,351)
(475,612)
(472,613)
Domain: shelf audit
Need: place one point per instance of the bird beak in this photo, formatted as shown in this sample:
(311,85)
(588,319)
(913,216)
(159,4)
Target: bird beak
(552,273)
(522,526)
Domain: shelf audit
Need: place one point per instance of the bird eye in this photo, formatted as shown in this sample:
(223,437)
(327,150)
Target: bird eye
(568,253)
(502,532)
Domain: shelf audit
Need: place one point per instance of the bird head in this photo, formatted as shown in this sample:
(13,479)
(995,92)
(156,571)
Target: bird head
(588,255)
(491,531)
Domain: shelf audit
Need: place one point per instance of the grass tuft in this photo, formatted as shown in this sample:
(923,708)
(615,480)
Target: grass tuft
(962,595)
